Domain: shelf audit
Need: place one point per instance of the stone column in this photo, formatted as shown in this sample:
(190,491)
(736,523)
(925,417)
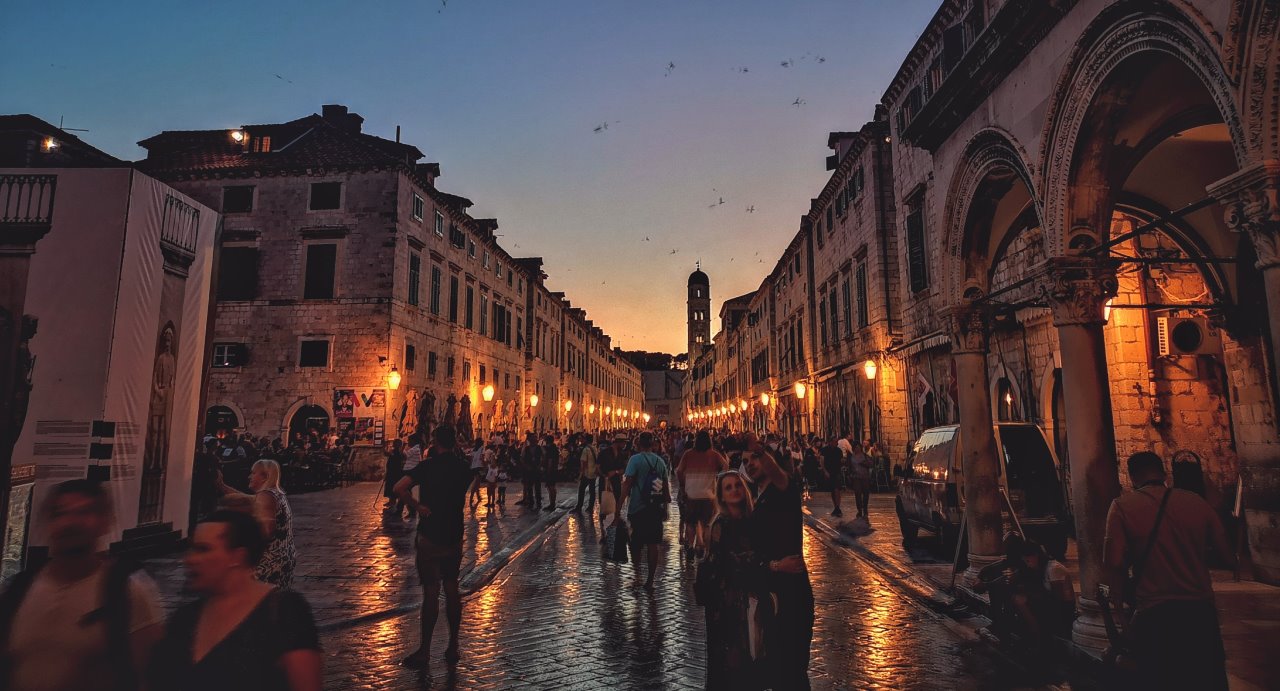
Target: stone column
(18,238)
(1252,201)
(969,323)
(1077,289)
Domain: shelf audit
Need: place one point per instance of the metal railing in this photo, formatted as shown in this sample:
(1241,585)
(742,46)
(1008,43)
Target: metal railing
(27,199)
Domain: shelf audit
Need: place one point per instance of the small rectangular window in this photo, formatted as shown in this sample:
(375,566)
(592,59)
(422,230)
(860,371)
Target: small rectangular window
(449,367)
(228,355)
(410,357)
(439,224)
(418,207)
(314,354)
(482,374)
(322,262)
(484,314)
(457,237)
(917,252)
(431,364)
(466,370)
(237,199)
(830,220)
(471,248)
(861,279)
(326,195)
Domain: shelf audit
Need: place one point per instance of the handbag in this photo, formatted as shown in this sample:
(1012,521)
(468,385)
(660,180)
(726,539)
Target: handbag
(615,542)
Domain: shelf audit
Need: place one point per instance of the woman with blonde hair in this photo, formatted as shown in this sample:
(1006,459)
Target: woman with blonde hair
(271,510)
(725,587)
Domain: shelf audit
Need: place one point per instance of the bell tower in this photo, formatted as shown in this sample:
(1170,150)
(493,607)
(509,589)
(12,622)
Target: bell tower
(699,312)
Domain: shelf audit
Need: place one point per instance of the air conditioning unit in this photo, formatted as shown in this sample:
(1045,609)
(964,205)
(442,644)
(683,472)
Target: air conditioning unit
(1185,335)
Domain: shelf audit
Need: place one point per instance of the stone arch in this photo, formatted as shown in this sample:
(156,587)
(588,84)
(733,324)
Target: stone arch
(1001,376)
(320,402)
(1251,58)
(229,405)
(1119,33)
(990,150)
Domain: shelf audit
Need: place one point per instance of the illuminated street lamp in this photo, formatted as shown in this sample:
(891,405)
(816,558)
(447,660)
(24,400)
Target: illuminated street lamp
(393,379)
(764,399)
(608,410)
(568,405)
(742,405)
(801,389)
(533,401)
(49,144)
(237,136)
(869,368)
(1106,309)
(487,393)
(647,418)
(591,409)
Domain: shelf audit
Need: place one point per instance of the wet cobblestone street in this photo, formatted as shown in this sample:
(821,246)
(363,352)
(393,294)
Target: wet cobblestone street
(561,617)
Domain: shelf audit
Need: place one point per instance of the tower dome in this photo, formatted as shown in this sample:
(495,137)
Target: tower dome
(697,278)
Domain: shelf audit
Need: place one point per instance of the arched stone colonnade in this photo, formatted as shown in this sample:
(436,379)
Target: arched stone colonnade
(1152,200)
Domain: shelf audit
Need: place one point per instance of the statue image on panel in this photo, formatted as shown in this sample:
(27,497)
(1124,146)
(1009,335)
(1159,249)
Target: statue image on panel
(155,450)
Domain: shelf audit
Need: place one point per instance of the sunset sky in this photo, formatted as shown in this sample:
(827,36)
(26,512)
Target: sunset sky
(507,97)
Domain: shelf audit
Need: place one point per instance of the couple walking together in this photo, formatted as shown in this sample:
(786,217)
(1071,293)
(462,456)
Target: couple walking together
(753,581)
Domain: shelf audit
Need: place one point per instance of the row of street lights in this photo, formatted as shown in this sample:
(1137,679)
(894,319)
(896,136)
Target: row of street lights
(801,389)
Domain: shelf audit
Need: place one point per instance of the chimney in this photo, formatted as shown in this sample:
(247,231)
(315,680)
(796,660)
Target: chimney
(338,116)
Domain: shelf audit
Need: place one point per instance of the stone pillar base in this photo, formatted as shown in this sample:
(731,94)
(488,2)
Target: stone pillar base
(1089,632)
(977,562)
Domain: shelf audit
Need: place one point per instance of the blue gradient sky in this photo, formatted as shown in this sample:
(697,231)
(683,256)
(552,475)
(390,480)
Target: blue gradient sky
(505,95)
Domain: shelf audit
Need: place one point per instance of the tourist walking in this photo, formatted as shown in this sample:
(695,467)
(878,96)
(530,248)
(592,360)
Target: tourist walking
(241,633)
(82,620)
(860,478)
(696,474)
(833,460)
(550,469)
(442,478)
(478,471)
(588,471)
(531,471)
(727,587)
(1162,537)
(776,536)
(394,471)
(272,511)
(648,493)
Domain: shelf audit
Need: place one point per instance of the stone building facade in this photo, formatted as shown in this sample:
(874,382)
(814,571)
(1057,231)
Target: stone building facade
(1076,207)
(353,293)
(1085,205)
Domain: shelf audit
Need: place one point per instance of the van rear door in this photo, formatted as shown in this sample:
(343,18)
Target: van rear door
(1030,476)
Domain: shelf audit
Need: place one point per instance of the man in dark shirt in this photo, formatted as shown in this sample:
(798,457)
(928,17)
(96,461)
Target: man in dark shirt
(613,460)
(833,469)
(443,478)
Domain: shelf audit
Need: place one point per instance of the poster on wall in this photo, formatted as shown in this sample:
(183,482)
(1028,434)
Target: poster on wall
(344,403)
(361,414)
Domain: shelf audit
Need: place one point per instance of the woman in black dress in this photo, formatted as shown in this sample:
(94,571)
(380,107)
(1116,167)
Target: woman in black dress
(242,633)
(726,589)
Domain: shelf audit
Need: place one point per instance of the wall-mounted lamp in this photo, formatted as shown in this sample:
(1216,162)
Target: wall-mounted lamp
(487,393)
(1106,310)
(647,418)
(801,390)
(533,400)
(869,369)
(591,408)
(393,378)
(237,136)
(568,405)
(764,399)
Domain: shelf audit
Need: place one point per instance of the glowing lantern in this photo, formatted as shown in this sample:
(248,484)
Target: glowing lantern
(869,369)
(487,393)
(800,389)
(393,379)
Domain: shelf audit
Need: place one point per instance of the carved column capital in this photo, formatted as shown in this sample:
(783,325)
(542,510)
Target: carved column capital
(1076,288)
(969,323)
(1251,198)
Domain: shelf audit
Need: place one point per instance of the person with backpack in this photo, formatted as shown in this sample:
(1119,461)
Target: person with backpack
(1162,538)
(587,473)
(648,493)
(82,620)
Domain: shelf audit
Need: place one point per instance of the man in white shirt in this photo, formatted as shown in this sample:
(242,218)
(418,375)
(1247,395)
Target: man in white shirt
(81,621)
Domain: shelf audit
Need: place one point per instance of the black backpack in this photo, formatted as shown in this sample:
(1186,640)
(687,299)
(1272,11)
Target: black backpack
(115,611)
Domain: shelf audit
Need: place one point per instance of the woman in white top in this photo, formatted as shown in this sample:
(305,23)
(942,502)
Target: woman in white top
(697,475)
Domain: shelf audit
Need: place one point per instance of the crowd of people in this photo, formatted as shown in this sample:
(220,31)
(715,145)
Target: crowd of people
(84,619)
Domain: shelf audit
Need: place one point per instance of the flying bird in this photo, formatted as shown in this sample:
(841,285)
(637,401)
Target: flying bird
(788,62)
(674,251)
(671,67)
(646,239)
(741,70)
(821,59)
(283,79)
(798,102)
(751,209)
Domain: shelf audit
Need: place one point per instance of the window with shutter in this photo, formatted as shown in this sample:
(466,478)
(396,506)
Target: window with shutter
(326,195)
(238,273)
(453,299)
(861,278)
(415,278)
(917,266)
(848,307)
(435,290)
(322,261)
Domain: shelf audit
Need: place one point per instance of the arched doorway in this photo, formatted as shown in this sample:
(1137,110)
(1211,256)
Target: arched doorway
(308,419)
(220,421)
